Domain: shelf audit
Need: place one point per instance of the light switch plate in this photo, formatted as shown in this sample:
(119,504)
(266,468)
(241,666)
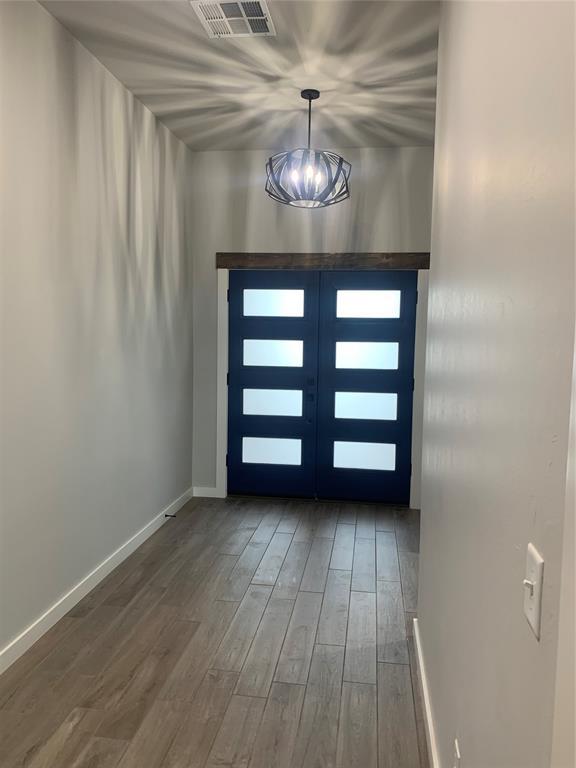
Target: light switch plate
(533,588)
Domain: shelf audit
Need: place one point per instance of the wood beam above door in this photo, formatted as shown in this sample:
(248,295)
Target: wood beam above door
(324,261)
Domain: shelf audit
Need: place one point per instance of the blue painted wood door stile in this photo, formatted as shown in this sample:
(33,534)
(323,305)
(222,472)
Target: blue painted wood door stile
(321,368)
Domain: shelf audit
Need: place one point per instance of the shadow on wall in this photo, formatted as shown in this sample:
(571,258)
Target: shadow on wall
(127,221)
(96,308)
(388,210)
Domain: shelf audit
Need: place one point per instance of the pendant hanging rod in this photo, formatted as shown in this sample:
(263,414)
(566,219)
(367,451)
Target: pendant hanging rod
(310,94)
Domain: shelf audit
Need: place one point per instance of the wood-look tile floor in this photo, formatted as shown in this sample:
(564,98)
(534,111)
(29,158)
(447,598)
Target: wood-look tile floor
(246,633)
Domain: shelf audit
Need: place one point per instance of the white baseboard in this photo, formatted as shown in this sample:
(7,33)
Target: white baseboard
(426,701)
(209,492)
(43,623)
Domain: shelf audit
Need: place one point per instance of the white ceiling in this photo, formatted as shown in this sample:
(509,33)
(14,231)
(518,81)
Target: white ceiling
(374,62)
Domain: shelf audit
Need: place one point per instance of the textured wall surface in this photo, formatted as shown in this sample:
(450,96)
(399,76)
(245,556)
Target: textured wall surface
(498,374)
(96,408)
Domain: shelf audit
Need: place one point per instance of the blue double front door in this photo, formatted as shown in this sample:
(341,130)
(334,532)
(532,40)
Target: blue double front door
(321,378)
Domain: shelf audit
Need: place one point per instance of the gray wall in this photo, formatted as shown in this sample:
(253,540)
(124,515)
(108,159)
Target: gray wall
(498,375)
(389,210)
(96,404)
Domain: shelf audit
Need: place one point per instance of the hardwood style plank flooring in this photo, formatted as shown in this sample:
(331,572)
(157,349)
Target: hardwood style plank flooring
(276,737)
(237,641)
(364,568)
(387,568)
(290,576)
(409,578)
(258,670)
(246,633)
(360,660)
(343,551)
(269,568)
(235,740)
(358,727)
(294,661)
(334,616)
(316,742)
(398,741)
(316,571)
(391,628)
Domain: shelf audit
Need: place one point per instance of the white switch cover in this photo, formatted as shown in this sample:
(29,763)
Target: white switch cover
(533,588)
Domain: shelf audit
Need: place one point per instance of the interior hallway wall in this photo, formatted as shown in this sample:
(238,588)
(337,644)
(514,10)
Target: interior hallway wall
(96,405)
(498,375)
(564,736)
(389,210)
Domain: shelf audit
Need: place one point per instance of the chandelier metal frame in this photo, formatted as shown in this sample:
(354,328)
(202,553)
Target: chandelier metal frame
(306,177)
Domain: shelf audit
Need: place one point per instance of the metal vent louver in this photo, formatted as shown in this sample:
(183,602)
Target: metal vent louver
(235,19)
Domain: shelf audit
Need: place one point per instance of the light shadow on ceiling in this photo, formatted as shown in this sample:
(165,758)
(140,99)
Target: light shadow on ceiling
(374,62)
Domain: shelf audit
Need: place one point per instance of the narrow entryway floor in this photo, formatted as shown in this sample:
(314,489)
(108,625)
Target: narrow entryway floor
(246,633)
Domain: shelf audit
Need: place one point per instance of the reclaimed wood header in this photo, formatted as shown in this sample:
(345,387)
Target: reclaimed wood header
(328,261)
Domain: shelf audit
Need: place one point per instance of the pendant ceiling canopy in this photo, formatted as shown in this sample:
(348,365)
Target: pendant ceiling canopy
(306,177)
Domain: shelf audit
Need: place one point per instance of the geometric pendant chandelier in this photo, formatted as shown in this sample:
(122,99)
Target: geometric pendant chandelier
(305,177)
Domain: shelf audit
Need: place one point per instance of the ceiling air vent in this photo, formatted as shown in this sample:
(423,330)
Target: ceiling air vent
(230,19)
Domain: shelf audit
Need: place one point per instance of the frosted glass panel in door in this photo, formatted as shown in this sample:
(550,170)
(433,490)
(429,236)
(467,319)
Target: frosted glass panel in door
(272,402)
(381,406)
(274,352)
(276,302)
(379,355)
(349,455)
(380,304)
(271,450)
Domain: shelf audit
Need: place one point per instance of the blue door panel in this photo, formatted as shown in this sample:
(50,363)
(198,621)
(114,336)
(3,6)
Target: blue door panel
(364,484)
(319,380)
(272,479)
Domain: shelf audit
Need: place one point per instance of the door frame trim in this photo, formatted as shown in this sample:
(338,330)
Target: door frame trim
(220,490)
(222,386)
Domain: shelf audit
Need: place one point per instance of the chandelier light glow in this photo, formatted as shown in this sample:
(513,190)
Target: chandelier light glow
(305,177)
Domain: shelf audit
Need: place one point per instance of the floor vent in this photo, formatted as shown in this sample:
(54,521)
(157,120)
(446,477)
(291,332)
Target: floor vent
(230,19)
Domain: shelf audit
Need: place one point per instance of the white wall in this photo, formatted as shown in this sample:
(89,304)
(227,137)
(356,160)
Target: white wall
(563,742)
(389,210)
(498,375)
(96,352)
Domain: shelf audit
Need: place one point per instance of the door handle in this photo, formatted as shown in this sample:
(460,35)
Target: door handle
(310,397)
